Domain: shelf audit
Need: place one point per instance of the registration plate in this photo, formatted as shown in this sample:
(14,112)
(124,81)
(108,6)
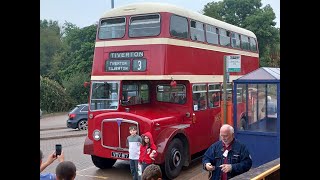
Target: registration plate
(119,155)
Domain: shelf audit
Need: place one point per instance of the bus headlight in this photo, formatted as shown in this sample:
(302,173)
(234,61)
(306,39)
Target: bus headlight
(96,135)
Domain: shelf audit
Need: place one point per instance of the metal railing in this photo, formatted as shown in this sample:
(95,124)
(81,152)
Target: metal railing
(268,172)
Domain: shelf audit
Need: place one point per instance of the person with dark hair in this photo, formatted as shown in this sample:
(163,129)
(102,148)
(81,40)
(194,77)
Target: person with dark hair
(66,170)
(152,172)
(148,150)
(51,158)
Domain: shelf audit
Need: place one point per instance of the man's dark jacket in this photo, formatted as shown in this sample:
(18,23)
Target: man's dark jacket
(239,157)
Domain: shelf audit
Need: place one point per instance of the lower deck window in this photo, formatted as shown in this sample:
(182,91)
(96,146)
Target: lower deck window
(167,93)
(133,94)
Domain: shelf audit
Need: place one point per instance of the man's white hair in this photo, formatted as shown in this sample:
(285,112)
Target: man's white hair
(229,127)
(269,98)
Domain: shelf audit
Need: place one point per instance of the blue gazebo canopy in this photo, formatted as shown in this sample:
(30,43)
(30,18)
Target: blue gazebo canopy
(263,74)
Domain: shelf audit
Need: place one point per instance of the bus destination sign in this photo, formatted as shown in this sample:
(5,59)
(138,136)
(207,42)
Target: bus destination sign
(121,62)
(118,65)
(118,55)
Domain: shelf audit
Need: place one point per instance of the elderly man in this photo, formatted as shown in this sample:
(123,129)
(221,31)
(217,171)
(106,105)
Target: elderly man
(226,158)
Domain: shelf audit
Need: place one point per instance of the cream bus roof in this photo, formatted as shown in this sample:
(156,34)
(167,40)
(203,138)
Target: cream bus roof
(143,8)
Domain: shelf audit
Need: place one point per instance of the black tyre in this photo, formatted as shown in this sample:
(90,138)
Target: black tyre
(174,159)
(83,125)
(102,163)
(242,124)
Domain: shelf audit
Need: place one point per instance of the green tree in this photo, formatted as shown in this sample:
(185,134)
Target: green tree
(268,36)
(213,9)
(66,55)
(76,53)
(53,97)
(75,87)
(73,65)
(50,43)
(232,11)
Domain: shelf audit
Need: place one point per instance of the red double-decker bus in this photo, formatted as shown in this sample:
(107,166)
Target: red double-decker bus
(160,67)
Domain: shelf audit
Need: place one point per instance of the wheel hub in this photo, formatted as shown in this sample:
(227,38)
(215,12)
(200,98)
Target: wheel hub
(176,158)
(83,125)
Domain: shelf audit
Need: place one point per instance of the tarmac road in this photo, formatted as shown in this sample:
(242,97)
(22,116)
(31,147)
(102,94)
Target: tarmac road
(52,121)
(53,131)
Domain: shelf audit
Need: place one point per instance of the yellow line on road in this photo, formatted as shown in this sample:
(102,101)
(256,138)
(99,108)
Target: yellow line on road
(99,177)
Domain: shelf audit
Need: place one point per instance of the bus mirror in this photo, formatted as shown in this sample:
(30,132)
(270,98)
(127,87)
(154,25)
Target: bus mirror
(173,83)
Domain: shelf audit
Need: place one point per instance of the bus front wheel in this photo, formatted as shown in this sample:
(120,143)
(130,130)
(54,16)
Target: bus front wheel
(102,163)
(174,159)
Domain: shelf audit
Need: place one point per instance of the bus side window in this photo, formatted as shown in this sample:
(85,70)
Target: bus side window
(216,99)
(203,102)
(196,101)
(182,100)
(176,99)
(135,100)
(179,27)
(214,95)
(199,97)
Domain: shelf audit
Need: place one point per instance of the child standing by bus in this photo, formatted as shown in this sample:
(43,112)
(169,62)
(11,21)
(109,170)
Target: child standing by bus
(148,150)
(134,142)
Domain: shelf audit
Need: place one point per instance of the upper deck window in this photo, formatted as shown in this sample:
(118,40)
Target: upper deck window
(212,34)
(112,28)
(179,27)
(144,25)
(253,45)
(197,32)
(224,37)
(245,42)
(235,40)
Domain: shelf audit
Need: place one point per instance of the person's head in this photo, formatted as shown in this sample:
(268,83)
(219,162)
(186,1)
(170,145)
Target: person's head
(195,96)
(145,140)
(152,172)
(133,130)
(66,170)
(269,98)
(226,134)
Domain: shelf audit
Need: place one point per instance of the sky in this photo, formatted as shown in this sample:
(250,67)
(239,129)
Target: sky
(84,13)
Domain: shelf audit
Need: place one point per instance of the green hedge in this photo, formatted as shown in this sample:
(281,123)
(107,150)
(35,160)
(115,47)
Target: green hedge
(53,97)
